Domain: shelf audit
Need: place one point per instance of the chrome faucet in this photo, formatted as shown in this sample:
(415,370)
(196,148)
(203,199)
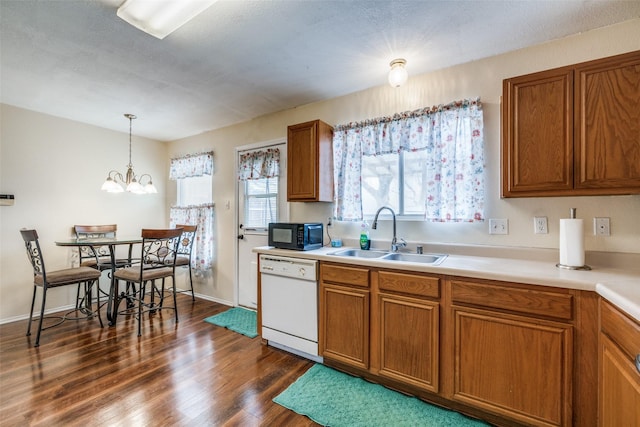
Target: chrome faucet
(394,242)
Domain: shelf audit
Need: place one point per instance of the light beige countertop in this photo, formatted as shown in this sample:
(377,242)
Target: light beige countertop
(615,277)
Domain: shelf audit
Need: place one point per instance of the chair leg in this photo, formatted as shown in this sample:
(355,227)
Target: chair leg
(193,296)
(175,303)
(140,303)
(33,302)
(97,284)
(44,300)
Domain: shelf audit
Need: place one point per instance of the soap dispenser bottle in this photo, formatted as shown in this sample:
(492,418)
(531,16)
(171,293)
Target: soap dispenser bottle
(365,243)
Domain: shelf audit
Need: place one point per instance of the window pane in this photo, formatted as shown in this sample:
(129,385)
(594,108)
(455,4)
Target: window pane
(261,202)
(414,188)
(380,184)
(195,190)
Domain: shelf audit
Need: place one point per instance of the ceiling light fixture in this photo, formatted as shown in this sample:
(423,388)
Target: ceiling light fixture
(398,74)
(161,17)
(115,182)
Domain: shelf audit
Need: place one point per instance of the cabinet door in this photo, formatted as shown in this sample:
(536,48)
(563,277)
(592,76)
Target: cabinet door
(513,366)
(409,340)
(310,165)
(619,392)
(345,325)
(607,125)
(537,134)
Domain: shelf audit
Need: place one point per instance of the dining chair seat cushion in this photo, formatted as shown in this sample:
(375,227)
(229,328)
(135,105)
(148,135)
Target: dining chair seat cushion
(68,275)
(182,260)
(132,274)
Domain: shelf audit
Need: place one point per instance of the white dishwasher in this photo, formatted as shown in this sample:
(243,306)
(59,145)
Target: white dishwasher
(289,304)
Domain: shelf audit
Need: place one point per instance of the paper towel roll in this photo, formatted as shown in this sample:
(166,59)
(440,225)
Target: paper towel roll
(571,242)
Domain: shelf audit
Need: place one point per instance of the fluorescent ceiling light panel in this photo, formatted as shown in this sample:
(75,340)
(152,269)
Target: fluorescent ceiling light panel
(161,17)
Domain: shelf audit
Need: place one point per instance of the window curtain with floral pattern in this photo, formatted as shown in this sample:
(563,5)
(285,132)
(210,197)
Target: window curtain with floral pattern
(259,164)
(190,166)
(202,216)
(453,136)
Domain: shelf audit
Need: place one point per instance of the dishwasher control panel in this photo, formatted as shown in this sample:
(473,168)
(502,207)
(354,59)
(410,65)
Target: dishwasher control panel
(304,269)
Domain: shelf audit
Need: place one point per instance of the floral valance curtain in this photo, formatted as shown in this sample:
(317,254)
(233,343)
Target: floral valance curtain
(202,216)
(191,165)
(259,164)
(453,136)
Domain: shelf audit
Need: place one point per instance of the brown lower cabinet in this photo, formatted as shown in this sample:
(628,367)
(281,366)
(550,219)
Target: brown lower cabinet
(619,377)
(503,352)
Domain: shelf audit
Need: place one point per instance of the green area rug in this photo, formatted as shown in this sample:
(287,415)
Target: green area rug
(237,319)
(332,398)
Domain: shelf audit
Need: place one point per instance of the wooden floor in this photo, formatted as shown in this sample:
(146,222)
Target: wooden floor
(187,374)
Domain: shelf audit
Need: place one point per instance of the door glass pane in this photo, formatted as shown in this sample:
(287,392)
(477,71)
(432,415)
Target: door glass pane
(261,202)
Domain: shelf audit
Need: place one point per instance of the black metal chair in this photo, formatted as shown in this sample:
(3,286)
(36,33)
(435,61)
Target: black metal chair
(184,251)
(158,261)
(86,276)
(98,256)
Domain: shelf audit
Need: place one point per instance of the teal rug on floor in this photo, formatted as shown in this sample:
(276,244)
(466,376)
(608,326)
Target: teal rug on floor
(237,319)
(332,398)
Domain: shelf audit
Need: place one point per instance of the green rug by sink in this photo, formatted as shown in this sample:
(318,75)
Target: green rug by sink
(237,319)
(332,398)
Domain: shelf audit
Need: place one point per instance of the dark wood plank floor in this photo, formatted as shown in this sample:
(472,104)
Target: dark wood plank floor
(186,374)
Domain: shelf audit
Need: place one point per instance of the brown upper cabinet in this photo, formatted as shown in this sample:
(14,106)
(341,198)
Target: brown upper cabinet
(310,162)
(573,131)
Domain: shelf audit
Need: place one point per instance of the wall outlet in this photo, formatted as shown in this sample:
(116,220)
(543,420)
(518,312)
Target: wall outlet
(540,225)
(601,227)
(329,223)
(499,226)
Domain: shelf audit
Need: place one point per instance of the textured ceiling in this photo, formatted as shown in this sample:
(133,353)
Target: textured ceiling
(242,59)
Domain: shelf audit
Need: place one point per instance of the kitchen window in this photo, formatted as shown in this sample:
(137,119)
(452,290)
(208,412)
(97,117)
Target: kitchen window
(193,174)
(394,180)
(427,163)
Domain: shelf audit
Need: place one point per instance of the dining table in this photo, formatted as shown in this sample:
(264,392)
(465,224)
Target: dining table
(112,243)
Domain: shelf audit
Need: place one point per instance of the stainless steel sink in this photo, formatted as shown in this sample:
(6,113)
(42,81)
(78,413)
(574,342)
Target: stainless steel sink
(359,253)
(433,259)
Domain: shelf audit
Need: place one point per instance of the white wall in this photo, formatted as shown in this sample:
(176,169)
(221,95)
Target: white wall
(55,168)
(480,78)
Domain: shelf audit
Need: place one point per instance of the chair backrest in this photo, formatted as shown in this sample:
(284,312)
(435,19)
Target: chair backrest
(160,246)
(34,253)
(187,239)
(94,232)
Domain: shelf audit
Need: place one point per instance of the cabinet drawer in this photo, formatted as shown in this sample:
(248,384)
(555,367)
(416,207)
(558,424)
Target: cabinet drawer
(343,274)
(623,330)
(413,284)
(527,301)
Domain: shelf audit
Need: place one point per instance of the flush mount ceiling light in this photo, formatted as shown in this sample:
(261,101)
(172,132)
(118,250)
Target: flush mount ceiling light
(161,17)
(115,181)
(398,74)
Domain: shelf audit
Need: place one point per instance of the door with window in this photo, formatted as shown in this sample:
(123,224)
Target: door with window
(261,200)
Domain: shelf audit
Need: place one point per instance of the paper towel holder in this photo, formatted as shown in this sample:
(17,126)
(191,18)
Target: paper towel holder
(571,267)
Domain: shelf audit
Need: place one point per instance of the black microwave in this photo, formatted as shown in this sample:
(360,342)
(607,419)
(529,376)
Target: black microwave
(296,236)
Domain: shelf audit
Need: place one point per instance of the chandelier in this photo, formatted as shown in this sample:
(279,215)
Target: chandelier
(116,183)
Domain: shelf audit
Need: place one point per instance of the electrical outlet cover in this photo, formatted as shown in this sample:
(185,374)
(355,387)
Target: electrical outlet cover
(540,225)
(498,226)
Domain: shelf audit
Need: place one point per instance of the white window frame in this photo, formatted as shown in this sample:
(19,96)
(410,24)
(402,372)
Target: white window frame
(401,204)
